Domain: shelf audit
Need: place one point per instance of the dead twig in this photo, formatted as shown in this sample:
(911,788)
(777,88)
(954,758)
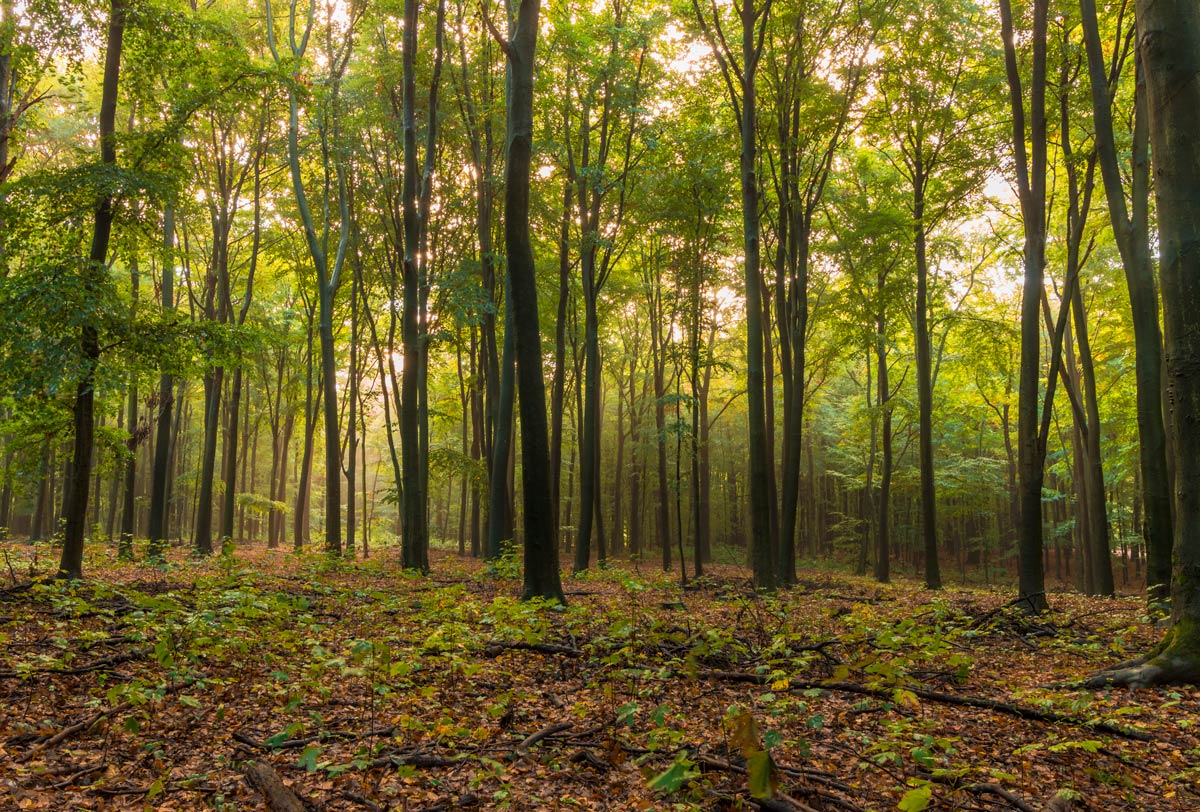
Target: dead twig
(70,731)
(495,647)
(1007,708)
(546,732)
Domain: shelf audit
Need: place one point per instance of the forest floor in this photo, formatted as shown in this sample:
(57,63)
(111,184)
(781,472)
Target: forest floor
(352,686)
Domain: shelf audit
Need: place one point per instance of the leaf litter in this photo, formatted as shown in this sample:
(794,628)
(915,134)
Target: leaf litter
(266,680)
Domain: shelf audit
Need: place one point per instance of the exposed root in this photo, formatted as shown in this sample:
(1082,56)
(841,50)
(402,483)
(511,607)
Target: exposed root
(1174,661)
(1164,669)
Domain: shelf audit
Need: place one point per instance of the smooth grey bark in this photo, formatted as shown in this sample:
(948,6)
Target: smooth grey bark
(328,274)
(740,82)
(883,551)
(128,487)
(416,196)
(477,120)
(229,497)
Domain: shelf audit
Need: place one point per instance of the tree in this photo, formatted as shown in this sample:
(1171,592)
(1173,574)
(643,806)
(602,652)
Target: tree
(416,198)
(1169,43)
(542,579)
(933,95)
(1131,229)
(334,193)
(75,498)
(1030,166)
(740,83)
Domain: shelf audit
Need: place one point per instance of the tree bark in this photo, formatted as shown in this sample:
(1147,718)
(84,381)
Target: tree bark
(542,578)
(1132,232)
(1169,39)
(75,496)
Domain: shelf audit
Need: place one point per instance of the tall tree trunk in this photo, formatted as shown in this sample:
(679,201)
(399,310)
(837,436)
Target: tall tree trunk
(159,495)
(658,356)
(933,575)
(1031,177)
(414,201)
(1169,39)
(75,498)
(541,547)
(1132,232)
(499,518)
(883,551)
(1098,535)
(558,382)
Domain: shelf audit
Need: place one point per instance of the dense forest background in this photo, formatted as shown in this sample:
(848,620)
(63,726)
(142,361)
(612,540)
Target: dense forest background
(296,334)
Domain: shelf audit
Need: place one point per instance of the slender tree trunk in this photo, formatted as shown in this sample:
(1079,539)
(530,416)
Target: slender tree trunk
(499,518)
(558,382)
(619,483)
(933,575)
(883,551)
(658,355)
(763,544)
(159,497)
(75,499)
(1098,535)
(1032,193)
(1132,232)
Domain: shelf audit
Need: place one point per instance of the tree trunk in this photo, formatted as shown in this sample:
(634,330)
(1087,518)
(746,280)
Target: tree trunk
(541,547)
(1169,38)
(1032,193)
(558,383)
(75,498)
(1133,241)
(883,521)
(933,575)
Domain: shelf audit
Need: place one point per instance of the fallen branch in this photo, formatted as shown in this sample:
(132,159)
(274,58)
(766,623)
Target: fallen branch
(362,800)
(1008,708)
(69,731)
(546,732)
(495,647)
(279,797)
(417,760)
(297,744)
(75,776)
(1000,792)
(101,664)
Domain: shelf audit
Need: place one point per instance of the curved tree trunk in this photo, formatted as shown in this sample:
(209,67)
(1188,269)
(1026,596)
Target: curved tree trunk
(1169,38)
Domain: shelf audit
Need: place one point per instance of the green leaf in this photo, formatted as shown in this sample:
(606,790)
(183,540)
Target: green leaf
(916,800)
(673,777)
(308,758)
(155,789)
(189,701)
(762,777)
